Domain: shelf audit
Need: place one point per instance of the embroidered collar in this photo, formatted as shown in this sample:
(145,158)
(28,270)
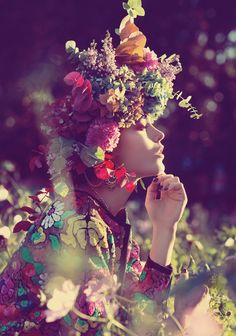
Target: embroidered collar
(122,216)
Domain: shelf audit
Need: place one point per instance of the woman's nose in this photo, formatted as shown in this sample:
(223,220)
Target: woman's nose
(157,134)
(161,135)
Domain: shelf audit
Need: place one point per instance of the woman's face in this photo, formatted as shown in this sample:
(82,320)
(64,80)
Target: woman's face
(138,149)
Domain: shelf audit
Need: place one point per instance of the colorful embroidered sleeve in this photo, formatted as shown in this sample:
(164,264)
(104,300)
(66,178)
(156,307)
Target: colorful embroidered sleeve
(145,280)
(146,284)
(64,244)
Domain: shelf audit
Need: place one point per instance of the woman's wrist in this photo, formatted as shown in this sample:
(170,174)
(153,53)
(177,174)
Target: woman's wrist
(162,246)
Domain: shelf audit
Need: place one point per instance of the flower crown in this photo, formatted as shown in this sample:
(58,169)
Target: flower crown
(111,89)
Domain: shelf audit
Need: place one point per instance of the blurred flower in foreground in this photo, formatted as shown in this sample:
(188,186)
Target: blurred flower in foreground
(202,323)
(103,291)
(105,287)
(62,301)
(193,310)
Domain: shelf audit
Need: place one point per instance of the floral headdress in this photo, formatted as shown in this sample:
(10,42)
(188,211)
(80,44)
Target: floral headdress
(111,89)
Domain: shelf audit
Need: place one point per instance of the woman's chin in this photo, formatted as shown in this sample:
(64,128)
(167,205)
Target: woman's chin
(160,168)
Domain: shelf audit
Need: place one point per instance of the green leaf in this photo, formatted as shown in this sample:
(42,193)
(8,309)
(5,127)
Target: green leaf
(61,188)
(55,242)
(125,6)
(183,103)
(92,156)
(26,255)
(142,184)
(140,11)
(58,224)
(117,31)
(68,213)
(135,3)
(70,46)
(35,236)
(39,267)
(98,262)
(68,319)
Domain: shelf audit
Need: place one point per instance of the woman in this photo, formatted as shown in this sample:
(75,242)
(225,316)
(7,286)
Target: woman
(100,210)
(102,143)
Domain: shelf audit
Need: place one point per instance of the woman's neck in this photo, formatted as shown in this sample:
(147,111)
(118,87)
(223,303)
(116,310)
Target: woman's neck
(113,199)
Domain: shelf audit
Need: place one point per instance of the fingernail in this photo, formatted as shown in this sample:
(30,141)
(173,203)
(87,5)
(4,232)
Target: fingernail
(155,180)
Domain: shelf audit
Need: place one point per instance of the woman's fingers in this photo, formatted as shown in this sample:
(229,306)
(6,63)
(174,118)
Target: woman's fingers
(175,186)
(165,183)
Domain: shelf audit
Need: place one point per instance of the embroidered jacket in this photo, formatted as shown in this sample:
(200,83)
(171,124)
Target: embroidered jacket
(76,228)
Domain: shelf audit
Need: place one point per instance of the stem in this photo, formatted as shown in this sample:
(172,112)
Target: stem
(87,317)
(103,320)
(178,324)
(119,325)
(126,300)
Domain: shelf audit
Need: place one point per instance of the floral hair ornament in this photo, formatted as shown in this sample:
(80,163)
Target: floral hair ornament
(112,88)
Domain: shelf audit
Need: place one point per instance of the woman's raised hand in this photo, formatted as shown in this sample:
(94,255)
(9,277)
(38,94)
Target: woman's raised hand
(165,213)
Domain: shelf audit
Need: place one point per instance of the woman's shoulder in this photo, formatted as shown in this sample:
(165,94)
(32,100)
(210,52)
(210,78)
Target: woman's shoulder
(79,204)
(63,217)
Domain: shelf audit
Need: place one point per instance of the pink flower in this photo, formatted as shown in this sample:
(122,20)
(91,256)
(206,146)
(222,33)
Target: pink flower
(103,133)
(150,61)
(98,289)
(102,292)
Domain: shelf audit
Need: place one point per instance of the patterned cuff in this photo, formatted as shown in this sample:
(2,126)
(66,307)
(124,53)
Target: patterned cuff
(163,269)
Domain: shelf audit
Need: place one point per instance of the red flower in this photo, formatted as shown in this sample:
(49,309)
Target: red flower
(82,97)
(120,172)
(102,173)
(81,93)
(130,186)
(74,78)
(29,270)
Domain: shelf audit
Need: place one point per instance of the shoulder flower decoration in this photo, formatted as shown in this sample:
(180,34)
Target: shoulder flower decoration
(53,214)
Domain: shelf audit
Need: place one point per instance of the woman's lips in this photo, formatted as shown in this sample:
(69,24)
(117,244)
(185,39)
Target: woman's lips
(160,155)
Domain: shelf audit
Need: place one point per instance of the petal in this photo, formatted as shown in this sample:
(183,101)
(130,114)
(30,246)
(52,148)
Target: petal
(55,217)
(50,221)
(74,78)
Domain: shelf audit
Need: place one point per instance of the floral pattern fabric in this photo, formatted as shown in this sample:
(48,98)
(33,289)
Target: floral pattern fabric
(75,226)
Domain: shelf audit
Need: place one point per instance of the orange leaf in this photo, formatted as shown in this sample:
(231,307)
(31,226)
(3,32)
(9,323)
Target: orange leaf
(127,28)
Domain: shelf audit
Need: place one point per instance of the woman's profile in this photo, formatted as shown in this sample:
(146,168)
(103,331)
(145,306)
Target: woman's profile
(102,142)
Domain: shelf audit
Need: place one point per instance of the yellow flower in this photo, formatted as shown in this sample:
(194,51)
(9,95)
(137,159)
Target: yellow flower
(111,99)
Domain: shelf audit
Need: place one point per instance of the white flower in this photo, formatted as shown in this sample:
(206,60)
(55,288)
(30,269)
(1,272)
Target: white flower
(53,214)
(98,289)
(62,301)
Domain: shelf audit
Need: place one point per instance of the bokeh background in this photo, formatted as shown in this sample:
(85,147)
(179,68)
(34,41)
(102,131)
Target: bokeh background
(201,152)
